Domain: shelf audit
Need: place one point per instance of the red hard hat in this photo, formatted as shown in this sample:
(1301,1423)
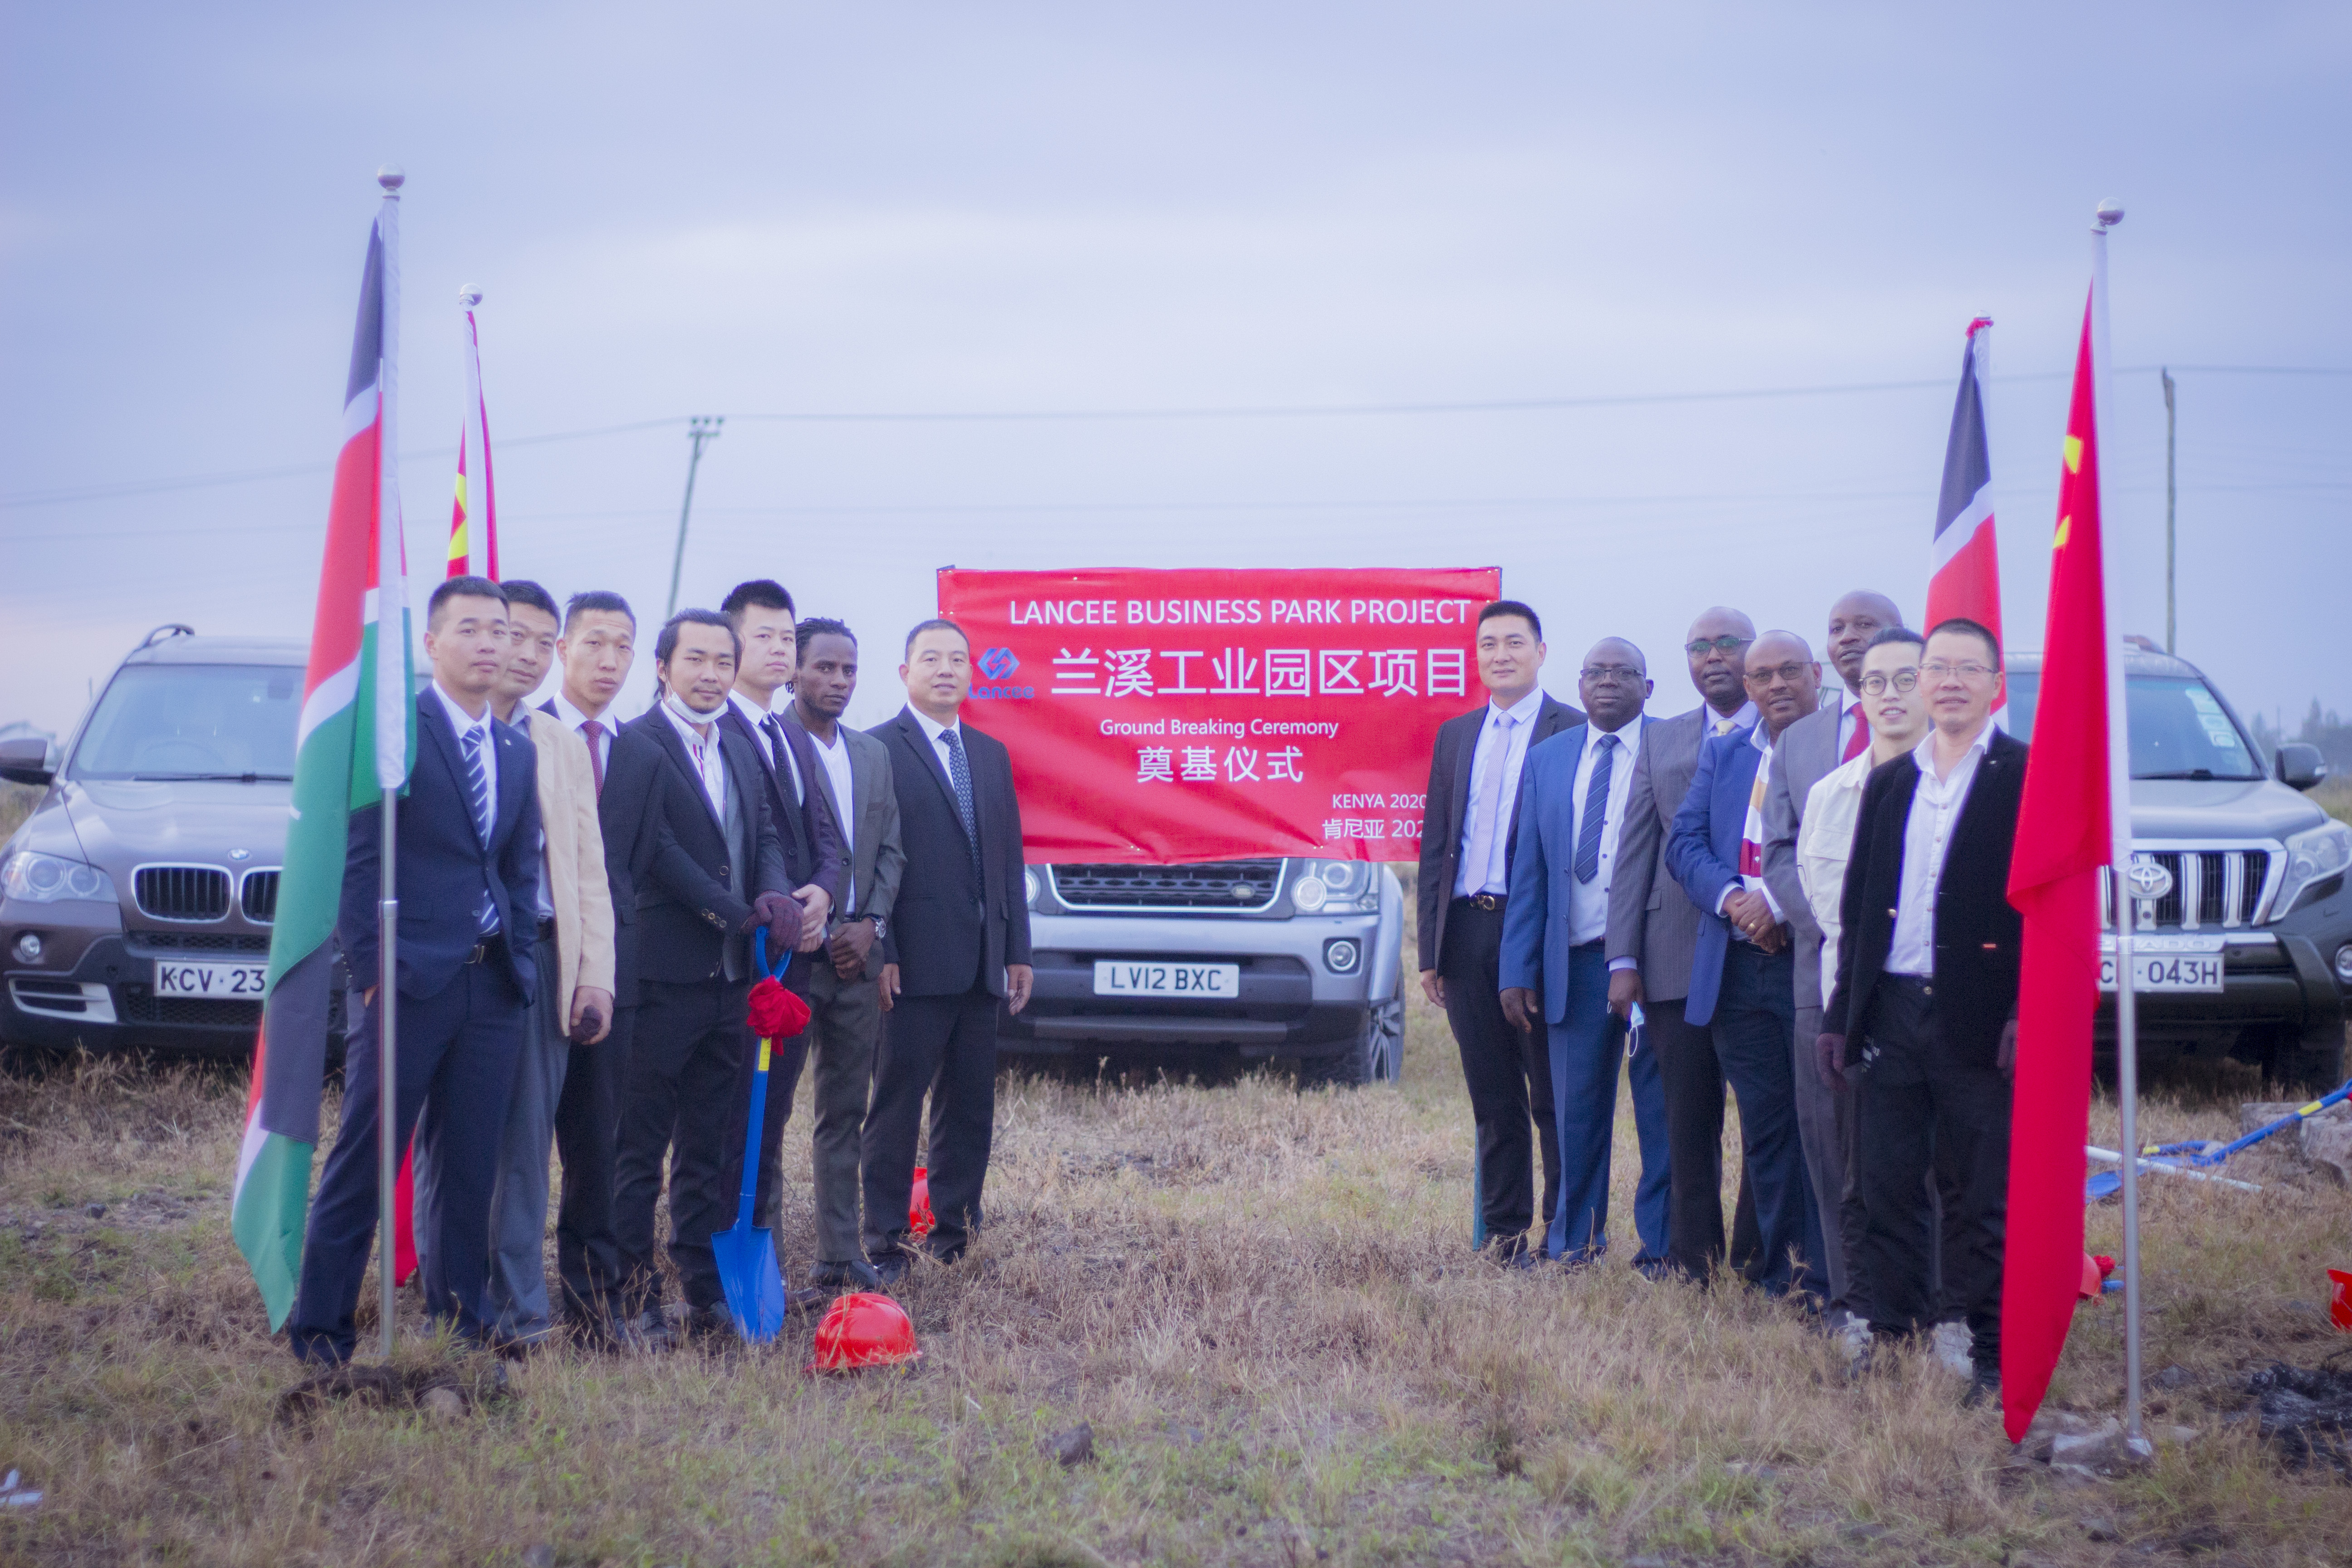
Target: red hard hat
(863,1330)
(919,1207)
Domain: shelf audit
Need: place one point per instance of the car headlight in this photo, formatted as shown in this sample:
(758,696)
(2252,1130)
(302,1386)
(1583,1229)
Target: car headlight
(1029,885)
(1336,885)
(51,879)
(2313,855)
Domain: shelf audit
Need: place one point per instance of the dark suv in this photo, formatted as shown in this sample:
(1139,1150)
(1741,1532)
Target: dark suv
(135,901)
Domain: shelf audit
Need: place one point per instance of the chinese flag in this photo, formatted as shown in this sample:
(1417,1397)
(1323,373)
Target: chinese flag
(2064,835)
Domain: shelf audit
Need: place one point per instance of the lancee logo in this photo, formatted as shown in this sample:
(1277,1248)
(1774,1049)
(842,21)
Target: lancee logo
(997,665)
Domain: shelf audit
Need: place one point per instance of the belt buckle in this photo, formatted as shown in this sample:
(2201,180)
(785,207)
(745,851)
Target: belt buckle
(481,951)
(1487,900)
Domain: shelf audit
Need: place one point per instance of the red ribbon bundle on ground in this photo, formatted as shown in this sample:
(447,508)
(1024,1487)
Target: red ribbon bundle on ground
(774,1012)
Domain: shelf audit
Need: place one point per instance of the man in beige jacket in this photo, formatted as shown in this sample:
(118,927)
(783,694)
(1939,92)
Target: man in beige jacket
(575,975)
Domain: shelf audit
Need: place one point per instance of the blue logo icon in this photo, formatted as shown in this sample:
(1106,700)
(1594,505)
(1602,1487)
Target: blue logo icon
(997,662)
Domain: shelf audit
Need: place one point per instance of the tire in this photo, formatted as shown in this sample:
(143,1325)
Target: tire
(2294,1059)
(1375,1055)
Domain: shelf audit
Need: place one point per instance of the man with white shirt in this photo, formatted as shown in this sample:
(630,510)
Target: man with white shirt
(1572,797)
(1469,820)
(1923,1018)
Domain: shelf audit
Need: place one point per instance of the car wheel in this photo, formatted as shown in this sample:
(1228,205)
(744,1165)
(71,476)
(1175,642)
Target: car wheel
(1375,1055)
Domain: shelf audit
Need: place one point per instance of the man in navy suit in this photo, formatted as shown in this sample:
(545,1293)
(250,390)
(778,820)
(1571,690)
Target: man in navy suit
(1573,791)
(1743,970)
(469,889)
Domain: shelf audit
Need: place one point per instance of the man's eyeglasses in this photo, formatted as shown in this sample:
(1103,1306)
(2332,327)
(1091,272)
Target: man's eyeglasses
(1599,673)
(1789,672)
(1875,684)
(1971,671)
(1716,645)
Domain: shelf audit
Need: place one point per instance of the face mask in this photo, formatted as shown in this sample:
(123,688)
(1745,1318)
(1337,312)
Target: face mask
(677,704)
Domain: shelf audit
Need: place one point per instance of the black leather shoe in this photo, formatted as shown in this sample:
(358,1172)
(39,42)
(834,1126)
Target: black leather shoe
(889,1269)
(805,1300)
(709,1327)
(648,1333)
(856,1274)
(1984,1386)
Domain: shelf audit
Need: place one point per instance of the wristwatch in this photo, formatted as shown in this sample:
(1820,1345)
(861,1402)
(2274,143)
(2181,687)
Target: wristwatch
(880,930)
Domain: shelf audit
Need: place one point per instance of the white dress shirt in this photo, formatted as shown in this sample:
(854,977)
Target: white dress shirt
(938,732)
(1715,723)
(757,717)
(1588,902)
(1824,847)
(601,742)
(1504,746)
(461,721)
(708,756)
(835,758)
(1751,831)
(1926,834)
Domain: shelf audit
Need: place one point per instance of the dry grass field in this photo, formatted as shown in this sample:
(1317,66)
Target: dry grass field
(1262,1302)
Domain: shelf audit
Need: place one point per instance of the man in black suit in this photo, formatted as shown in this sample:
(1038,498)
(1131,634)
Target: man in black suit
(469,887)
(1469,822)
(957,943)
(1923,1020)
(706,868)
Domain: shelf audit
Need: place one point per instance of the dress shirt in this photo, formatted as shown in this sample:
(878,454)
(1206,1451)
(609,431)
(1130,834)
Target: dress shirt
(1588,902)
(936,730)
(1716,725)
(1824,846)
(573,718)
(1926,834)
(835,758)
(709,757)
(461,721)
(1849,712)
(779,752)
(1495,875)
(1751,834)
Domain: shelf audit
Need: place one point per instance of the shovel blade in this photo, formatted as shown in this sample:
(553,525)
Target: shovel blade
(754,1285)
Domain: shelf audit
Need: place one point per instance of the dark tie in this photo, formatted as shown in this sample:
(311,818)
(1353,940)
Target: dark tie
(960,774)
(595,734)
(1596,810)
(779,757)
(477,786)
(1861,740)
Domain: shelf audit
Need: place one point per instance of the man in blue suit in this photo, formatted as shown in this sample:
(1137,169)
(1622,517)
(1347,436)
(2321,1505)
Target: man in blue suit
(1573,791)
(1743,971)
(469,865)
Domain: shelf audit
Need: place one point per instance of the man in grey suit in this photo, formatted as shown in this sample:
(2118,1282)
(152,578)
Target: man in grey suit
(844,996)
(1805,753)
(1654,935)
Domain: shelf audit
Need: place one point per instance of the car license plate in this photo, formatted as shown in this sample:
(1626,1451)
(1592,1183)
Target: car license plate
(1157,978)
(2162,971)
(222,982)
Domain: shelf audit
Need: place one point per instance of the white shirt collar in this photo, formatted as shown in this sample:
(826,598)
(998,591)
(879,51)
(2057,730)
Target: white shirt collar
(1522,711)
(933,728)
(752,712)
(1924,754)
(459,720)
(571,715)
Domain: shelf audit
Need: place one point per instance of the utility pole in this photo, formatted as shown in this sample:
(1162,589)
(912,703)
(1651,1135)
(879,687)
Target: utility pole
(2171,498)
(702,431)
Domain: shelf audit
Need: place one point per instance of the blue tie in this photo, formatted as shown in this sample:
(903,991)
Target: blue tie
(477,786)
(1596,810)
(960,774)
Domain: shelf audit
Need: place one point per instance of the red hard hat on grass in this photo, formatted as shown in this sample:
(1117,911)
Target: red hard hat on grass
(864,1329)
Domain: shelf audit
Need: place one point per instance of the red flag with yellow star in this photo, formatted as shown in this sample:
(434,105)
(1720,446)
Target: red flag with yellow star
(2065,834)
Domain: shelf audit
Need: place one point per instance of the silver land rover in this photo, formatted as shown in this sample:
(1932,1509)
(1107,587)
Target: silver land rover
(2243,927)
(1284,958)
(136,901)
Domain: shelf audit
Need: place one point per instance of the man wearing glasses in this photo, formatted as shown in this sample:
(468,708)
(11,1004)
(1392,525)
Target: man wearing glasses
(1815,746)
(1922,1017)
(1653,930)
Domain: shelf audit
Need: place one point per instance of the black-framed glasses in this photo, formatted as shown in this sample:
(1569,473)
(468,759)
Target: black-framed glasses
(1716,645)
(1599,673)
(1875,683)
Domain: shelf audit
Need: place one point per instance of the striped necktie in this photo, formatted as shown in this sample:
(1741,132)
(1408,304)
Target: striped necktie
(477,787)
(960,774)
(1596,810)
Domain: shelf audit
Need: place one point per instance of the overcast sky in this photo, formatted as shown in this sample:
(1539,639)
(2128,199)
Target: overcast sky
(793,209)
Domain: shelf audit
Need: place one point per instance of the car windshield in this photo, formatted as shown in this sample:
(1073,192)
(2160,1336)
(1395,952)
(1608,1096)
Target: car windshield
(193,722)
(2178,728)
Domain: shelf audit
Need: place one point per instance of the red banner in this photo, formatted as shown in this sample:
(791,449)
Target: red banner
(1191,715)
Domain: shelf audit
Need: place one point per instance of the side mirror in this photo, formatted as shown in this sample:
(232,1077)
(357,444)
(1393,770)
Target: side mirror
(2299,767)
(25,759)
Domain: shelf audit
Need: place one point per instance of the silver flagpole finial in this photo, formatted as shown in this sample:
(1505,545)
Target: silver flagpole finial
(469,296)
(2111,213)
(391,177)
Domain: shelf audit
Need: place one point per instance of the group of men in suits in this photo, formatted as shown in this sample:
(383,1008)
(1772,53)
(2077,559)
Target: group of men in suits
(1795,896)
(578,902)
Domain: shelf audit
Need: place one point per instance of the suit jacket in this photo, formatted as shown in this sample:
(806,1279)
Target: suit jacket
(444,866)
(947,930)
(1446,807)
(1702,852)
(577,886)
(1977,931)
(1543,868)
(1651,920)
(623,818)
(805,827)
(685,864)
(878,853)
(1806,753)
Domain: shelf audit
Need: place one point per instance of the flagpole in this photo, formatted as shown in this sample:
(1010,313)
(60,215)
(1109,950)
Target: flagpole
(2110,213)
(391,622)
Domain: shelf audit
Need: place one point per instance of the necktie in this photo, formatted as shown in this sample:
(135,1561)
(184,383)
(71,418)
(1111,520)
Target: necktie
(960,774)
(780,757)
(1486,830)
(1860,742)
(595,734)
(478,788)
(1726,726)
(1596,810)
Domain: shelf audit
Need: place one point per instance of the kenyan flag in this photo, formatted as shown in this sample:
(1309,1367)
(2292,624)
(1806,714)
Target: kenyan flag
(358,729)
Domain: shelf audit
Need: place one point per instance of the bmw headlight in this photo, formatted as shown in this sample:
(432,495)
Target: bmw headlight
(1336,885)
(51,879)
(2313,855)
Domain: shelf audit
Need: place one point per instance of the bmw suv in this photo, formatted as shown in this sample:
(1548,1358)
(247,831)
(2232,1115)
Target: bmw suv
(2243,924)
(135,901)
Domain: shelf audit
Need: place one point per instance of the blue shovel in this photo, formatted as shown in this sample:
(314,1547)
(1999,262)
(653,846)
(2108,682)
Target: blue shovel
(746,1255)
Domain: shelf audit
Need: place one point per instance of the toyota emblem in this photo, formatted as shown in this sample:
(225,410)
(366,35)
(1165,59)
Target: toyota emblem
(2149,878)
